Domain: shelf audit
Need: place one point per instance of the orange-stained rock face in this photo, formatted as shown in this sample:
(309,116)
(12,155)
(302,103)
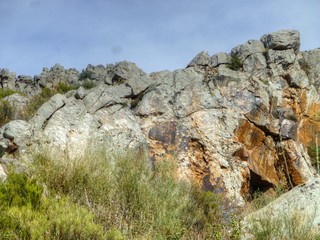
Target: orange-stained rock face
(249,135)
(259,151)
(307,131)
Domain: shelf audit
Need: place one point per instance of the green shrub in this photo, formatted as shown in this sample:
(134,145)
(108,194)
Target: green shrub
(130,198)
(19,190)
(87,84)
(46,93)
(6,112)
(25,215)
(235,63)
(296,226)
(85,74)
(4,92)
(56,219)
(63,87)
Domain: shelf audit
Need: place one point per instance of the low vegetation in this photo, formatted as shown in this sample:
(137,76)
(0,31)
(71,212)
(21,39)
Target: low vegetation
(296,227)
(63,87)
(313,152)
(26,214)
(84,75)
(99,198)
(103,197)
(235,63)
(36,102)
(4,92)
(6,112)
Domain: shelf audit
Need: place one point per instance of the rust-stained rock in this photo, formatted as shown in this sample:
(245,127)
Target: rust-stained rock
(307,131)
(249,135)
(298,162)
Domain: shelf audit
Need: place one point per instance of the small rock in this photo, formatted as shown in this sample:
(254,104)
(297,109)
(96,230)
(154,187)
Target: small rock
(81,93)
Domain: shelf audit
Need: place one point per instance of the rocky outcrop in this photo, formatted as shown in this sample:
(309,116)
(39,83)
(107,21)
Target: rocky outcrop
(238,121)
(301,203)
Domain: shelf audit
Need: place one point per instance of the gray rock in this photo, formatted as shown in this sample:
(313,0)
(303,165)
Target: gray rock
(25,79)
(282,40)
(128,73)
(47,110)
(243,51)
(284,57)
(288,129)
(310,64)
(297,78)
(7,79)
(302,202)
(51,78)
(255,62)
(220,58)
(18,132)
(18,102)
(3,175)
(202,59)
(102,96)
(126,70)
(73,131)
(81,93)
(226,75)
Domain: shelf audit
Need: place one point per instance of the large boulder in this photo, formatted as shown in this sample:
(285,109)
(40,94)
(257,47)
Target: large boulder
(18,103)
(301,203)
(15,136)
(282,40)
(47,110)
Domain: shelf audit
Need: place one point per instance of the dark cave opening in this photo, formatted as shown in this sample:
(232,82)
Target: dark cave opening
(257,184)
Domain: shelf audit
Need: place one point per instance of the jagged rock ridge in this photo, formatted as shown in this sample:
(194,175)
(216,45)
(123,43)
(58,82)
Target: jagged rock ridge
(239,121)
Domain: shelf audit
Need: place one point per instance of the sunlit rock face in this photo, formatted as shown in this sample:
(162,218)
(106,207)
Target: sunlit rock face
(237,122)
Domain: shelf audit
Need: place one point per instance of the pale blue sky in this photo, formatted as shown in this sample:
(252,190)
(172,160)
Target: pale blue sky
(154,34)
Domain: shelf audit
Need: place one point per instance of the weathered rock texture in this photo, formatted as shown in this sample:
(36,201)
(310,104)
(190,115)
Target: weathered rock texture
(239,130)
(302,203)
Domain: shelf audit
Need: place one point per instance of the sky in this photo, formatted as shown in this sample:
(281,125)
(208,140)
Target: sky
(154,34)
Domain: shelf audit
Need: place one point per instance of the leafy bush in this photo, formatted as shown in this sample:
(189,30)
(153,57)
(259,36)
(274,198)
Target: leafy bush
(235,63)
(6,112)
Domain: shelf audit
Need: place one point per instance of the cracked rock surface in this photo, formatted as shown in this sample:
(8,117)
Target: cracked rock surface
(231,129)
